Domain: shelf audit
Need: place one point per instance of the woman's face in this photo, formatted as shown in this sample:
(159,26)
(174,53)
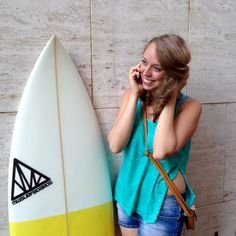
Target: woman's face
(151,72)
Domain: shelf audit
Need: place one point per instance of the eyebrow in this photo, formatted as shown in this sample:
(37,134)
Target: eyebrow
(153,64)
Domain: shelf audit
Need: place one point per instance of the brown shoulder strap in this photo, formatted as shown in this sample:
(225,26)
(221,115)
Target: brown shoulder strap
(164,175)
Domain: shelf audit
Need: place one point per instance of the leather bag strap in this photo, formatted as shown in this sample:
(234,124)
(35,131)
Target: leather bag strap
(163,173)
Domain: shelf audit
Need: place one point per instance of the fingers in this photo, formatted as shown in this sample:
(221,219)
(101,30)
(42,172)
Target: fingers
(134,73)
(137,67)
(135,70)
(135,79)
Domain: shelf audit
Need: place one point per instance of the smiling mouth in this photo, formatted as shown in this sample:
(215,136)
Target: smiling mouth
(147,82)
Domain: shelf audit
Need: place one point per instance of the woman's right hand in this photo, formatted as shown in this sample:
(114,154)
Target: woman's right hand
(135,80)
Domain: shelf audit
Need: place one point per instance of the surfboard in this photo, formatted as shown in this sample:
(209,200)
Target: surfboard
(59,182)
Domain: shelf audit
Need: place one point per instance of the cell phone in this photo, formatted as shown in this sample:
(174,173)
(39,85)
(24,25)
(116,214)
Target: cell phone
(138,78)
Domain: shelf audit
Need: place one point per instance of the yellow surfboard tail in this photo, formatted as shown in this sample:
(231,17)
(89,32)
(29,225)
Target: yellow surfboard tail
(96,220)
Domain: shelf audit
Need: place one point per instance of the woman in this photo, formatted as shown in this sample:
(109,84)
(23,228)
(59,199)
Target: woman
(145,204)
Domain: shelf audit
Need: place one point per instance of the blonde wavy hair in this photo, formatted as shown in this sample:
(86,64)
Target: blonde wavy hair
(173,55)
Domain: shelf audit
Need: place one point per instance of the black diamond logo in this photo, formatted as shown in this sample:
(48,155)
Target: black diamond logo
(26,181)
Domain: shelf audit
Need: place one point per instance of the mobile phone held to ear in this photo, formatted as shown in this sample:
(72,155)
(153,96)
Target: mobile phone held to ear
(138,77)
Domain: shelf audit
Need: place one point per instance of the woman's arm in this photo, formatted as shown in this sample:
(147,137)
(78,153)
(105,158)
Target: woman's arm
(172,133)
(122,127)
(123,124)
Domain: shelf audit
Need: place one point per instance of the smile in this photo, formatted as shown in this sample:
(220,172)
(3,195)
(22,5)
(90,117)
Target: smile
(147,82)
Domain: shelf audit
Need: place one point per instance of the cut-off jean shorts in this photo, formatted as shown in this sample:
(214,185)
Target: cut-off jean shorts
(169,222)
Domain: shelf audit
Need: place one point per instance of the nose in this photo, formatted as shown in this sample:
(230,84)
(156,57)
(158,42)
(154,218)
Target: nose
(147,71)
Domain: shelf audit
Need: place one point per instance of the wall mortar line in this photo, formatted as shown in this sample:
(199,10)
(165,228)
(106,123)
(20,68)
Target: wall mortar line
(189,25)
(91,44)
(226,146)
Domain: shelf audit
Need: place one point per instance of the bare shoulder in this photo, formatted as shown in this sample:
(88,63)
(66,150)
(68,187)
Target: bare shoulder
(191,105)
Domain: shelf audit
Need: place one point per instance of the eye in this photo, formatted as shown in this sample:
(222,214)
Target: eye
(144,62)
(157,69)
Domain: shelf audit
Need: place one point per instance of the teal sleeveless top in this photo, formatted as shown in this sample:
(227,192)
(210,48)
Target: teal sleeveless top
(139,187)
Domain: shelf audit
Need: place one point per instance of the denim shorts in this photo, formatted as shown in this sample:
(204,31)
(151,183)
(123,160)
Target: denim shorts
(169,222)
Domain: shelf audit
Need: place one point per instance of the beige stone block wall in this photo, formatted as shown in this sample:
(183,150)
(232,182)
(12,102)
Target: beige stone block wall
(104,39)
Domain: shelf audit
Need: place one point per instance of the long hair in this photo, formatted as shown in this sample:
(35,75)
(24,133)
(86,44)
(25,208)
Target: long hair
(173,56)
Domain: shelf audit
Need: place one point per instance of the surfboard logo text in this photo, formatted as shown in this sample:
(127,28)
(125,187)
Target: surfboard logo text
(26,181)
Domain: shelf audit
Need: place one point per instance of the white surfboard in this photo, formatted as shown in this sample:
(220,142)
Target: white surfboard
(59,182)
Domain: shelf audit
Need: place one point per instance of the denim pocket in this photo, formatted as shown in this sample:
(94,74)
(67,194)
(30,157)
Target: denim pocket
(171,210)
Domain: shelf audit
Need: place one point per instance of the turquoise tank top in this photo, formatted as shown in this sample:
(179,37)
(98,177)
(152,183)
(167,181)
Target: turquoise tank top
(139,187)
